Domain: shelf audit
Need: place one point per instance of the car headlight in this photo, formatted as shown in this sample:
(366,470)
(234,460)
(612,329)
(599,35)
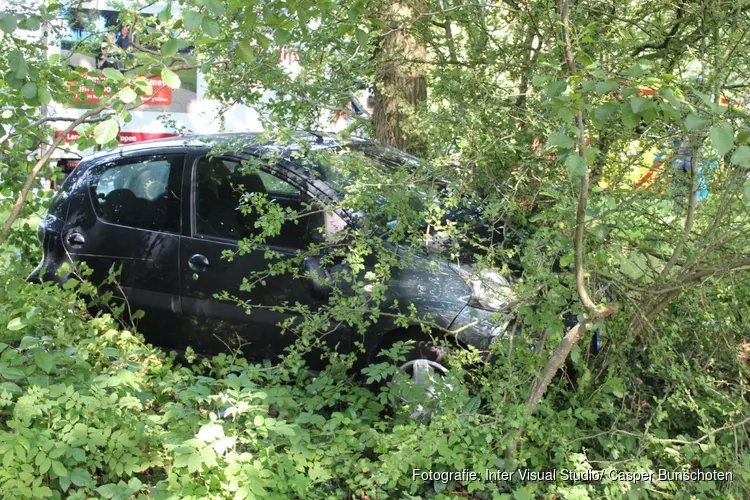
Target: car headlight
(490,291)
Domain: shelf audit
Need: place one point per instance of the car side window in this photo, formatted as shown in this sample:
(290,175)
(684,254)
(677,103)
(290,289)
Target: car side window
(142,193)
(276,186)
(224,205)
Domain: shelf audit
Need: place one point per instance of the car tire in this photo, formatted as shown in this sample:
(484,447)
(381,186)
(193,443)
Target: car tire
(425,359)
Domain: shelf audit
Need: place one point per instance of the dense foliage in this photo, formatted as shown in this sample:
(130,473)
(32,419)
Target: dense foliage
(88,409)
(548,117)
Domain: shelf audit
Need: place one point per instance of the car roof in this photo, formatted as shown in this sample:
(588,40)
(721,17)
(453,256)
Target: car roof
(246,140)
(255,143)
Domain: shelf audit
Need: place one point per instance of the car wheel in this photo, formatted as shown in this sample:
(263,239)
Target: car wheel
(425,366)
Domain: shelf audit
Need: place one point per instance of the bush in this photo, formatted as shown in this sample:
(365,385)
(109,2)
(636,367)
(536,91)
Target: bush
(102,413)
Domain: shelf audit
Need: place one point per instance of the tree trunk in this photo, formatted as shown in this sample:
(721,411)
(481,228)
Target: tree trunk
(400,80)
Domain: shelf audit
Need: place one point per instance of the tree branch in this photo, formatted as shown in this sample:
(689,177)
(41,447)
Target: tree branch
(690,218)
(583,195)
(18,205)
(540,385)
(679,17)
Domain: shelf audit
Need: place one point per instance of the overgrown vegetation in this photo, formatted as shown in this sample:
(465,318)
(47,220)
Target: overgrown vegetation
(545,115)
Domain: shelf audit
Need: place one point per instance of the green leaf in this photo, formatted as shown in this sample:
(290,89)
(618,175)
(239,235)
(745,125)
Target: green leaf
(8,22)
(170,47)
(741,156)
(70,284)
(640,104)
(575,354)
(16,324)
(555,88)
(112,352)
(669,96)
(746,193)
(560,140)
(113,74)
(705,98)
(31,23)
(44,96)
(473,405)
(80,477)
(245,51)
(282,36)
(11,387)
(44,360)
(165,14)
(65,483)
(671,112)
(576,166)
(6,114)
(192,20)
(127,95)
(635,71)
(17,64)
(605,111)
(694,122)
(170,78)
(210,26)
(567,260)
(362,38)
(11,373)
(602,88)
(629,119)
(106,131)
(214,7)
(108,490)
(539,80)
(29,90)
(586,86)
(59,469)
(722,137)
(193,462)
(521,494)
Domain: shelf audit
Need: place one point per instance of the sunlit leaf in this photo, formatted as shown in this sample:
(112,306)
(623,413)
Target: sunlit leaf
(170,78)
(722,137)
(106,131)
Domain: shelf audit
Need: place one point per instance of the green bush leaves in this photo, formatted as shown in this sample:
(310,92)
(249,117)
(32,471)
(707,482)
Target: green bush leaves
(106,131)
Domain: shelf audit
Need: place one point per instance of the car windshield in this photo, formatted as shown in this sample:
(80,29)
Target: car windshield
(368,164)
(387,183)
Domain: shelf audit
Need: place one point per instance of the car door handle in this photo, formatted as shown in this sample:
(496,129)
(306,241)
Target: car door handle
(76,239)
(198,263)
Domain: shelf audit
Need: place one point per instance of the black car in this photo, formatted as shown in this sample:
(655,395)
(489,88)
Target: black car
(166,211)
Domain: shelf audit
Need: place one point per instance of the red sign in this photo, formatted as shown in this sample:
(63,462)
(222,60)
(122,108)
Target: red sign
(122,137)
(160,95)
(87,87)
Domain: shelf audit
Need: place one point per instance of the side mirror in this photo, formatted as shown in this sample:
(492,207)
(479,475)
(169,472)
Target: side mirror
(317,278)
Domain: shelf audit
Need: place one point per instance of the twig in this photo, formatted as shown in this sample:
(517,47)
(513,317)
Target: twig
(18,206)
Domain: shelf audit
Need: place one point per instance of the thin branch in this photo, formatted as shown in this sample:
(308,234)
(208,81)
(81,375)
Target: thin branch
(40,164)
(583,195)
(690,218)
(679,18)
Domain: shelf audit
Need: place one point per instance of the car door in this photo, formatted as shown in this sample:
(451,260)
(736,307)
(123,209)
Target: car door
(128,217)
(212,324)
